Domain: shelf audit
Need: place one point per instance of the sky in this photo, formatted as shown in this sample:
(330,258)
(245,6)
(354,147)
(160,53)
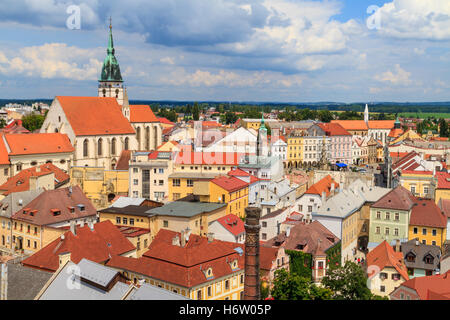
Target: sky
(230,50)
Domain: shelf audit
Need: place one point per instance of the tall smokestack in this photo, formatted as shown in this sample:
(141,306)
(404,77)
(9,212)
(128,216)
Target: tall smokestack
(252,227)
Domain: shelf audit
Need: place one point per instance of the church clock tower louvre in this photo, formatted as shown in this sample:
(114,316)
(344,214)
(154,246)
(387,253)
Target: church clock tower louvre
(110,83)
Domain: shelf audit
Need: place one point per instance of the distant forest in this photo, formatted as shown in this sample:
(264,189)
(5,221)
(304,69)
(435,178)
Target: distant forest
(381,107)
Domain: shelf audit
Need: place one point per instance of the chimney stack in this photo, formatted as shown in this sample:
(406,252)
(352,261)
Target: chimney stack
(183,239)
(210,237)
(397,245)
(73,227)
(252,228)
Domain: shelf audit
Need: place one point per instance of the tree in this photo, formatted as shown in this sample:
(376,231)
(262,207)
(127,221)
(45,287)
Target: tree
(230,117)
(290,286)
(2,123)
(325,116)
(443,128)
(33,121)
(348,282)
(196,112)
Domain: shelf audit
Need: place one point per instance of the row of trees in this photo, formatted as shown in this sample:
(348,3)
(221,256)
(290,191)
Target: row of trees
(348,282)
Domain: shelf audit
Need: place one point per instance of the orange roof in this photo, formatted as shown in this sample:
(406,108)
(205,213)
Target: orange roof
(333,129)
(322,185)
(4,157)
(38,143)
(21,181)
(381,124)
(351,124)
(435,287)
(395,133)
(165,121)
(230,184)
(384,256)
(142,113)
(97,245)
(426,213)
(90,116)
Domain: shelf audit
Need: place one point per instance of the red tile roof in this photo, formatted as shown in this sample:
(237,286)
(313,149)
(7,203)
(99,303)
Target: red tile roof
(333,129)
(398,199)
(142,113)
(124,160)
(206,158)
(38,143)
(4,157)
(230,184)
(97,245)
(267,256)
(381,124)
(384,256)
(132,232)
(238,173)
(426,213)
(232,223)
(352,124)
(60,199)
(435,287)
(183,266)
(21,181)
(90,116)
(443,180)
(165,121)
(444,205)
(322,185)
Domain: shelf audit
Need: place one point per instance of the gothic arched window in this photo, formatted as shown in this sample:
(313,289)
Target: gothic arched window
(113,146)
(85,148)
(100,147)
(127,141)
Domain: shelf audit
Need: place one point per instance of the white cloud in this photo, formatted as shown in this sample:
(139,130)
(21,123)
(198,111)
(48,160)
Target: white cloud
(52,60)
(398,77)
(416,19)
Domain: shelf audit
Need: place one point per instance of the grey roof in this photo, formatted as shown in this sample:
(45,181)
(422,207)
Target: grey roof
(58,289)
(11,203)
(283,187)
(95,272)
(185,209)
(149,292)
(131,210)
(350,200)
(194,175)
(421,250)
(24,283)
(127,201)
(252,161)
(273,214)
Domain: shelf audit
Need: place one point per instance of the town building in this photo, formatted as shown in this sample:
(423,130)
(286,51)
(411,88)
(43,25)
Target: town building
(271,223)
(228,228)
(420,259)
(97,242)
(386,269)
(435,287)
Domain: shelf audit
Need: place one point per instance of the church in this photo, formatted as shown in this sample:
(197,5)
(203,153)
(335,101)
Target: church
(101,128)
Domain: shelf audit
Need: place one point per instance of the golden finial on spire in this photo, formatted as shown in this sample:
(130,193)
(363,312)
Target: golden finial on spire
(110,23)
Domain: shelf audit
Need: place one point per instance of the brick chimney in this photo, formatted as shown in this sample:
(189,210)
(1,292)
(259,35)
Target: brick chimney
(251,280)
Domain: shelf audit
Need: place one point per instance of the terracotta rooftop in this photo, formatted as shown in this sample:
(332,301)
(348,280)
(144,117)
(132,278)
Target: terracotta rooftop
(232,223)
(38,143)
(384,256)
(39,211)
(124,160)
(435,287)
(397,199)
(90,116)
(21,181)
(142,113)
(351,124)
(97,245)
(230,184)
(443,180)
(333,129)
(426,213)
(323,185)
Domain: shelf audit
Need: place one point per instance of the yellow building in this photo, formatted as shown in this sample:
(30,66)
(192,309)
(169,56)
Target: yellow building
(207,270)
(295,151)
(48,216)
(100,185)
(225,189)
(442,190)
(251,123)
(428,223)
(181,184)
(420,183)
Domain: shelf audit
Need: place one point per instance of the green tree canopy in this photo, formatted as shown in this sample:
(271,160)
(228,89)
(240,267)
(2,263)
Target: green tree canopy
(290,286)
(33,121)
(196,112)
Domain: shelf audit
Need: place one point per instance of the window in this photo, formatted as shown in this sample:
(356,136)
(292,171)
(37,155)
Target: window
(35,244)
(85,148)
(125,220)
(176,182)
(19,167)
(264,236)
(396,232)
(161,170)
(135,182)
(113,146)
(176,196)
(135,170)
(166,224)
(227,284)
(429,259)
(397,216)
(5,171)
(131,221)
(415,230)
(433,243)
(413,189)
(424,231)
(209,291)
(434,232)
(190,183)
(386,231)
(118,220)
(126,144)
(242,279)
(377,230)
(388,216)
(100,147)
(199,295)
(264,224)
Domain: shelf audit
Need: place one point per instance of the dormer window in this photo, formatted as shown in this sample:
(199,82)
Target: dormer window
(81,207)
(429,259)
(56,212)
(72,209)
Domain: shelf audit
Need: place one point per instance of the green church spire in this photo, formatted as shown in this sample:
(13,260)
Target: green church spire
(110,69)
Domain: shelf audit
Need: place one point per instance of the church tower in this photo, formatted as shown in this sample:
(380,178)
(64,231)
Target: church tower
(110,83)
(366,115)
(261,141)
